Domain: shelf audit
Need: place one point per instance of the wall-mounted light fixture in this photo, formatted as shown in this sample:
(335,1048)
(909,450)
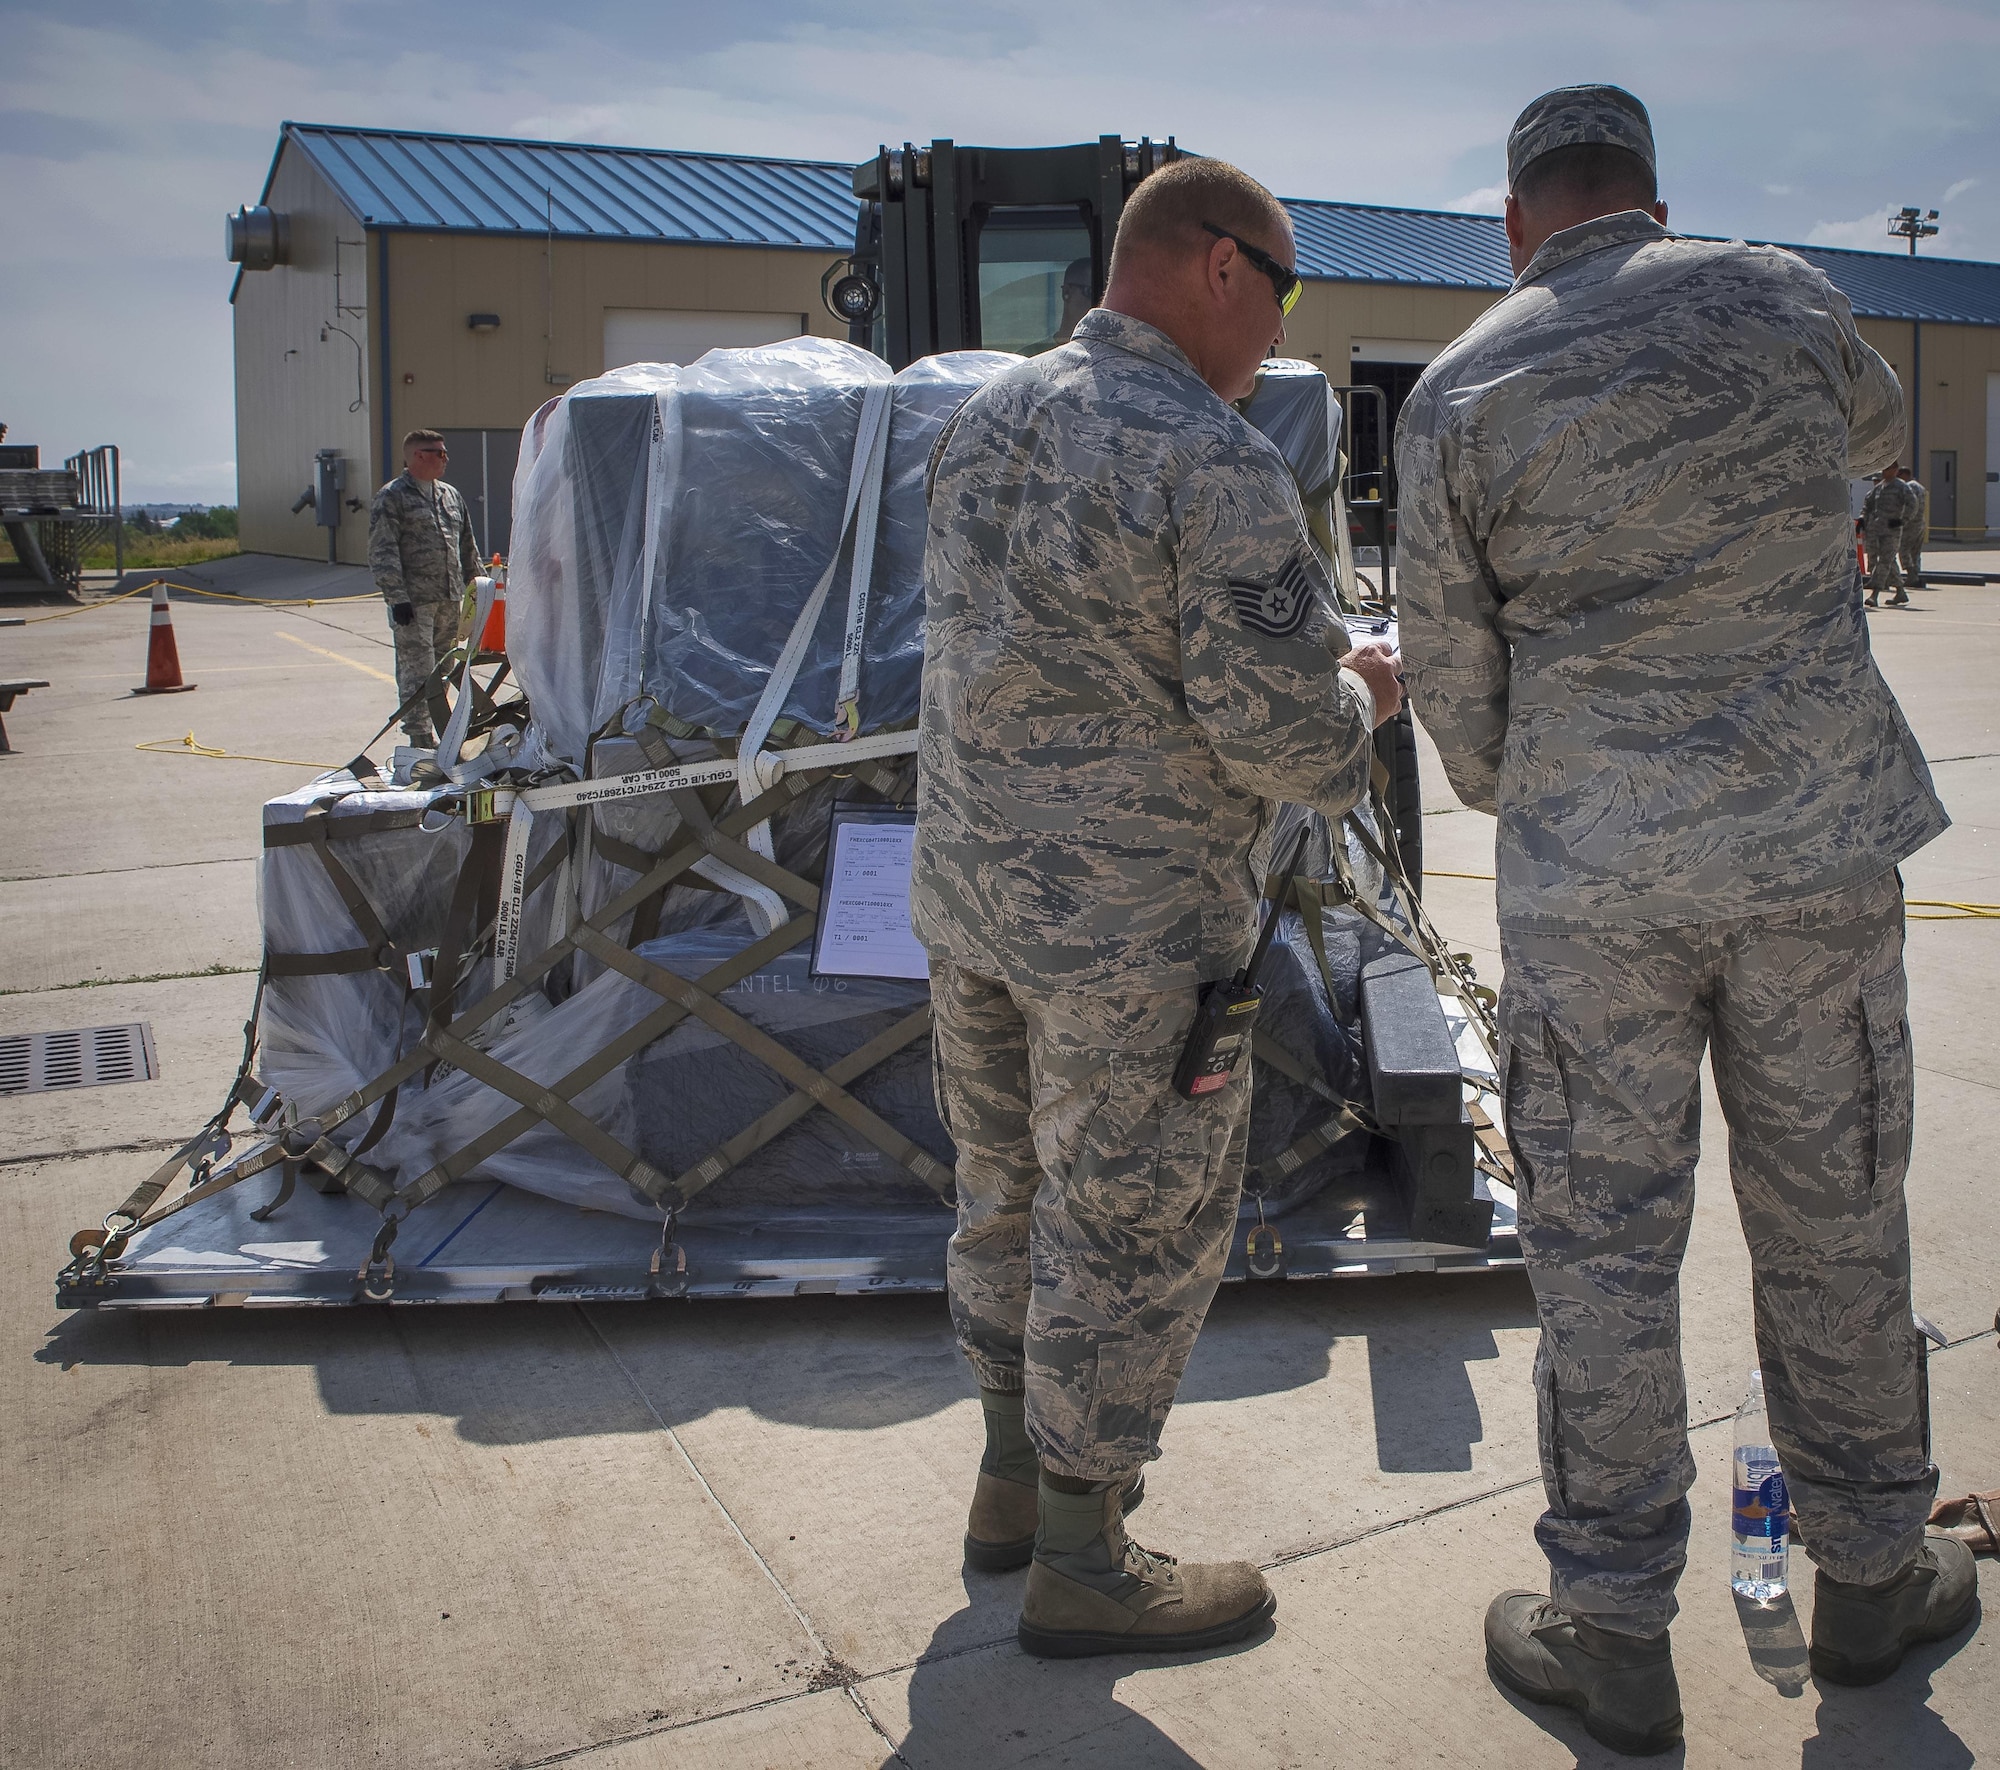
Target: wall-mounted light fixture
(482,322)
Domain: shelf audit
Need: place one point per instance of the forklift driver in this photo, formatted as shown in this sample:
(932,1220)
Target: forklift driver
(1075,304)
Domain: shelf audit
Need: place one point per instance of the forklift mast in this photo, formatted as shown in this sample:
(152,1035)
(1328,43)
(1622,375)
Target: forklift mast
(969,248)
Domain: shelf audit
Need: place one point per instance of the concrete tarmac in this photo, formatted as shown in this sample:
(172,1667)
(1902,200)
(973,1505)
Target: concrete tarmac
(727,1535)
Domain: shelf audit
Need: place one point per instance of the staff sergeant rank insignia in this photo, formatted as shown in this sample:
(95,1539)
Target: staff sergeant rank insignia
(1278,608)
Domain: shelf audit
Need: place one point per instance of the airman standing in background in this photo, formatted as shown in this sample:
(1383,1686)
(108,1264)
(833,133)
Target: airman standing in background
(1916,530)
(1884,515)
(422,553)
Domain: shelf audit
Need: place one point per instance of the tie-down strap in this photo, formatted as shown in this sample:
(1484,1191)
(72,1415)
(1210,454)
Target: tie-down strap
(318,831)
(377,1189)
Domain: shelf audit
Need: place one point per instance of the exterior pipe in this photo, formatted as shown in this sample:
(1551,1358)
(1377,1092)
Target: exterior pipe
(382,342)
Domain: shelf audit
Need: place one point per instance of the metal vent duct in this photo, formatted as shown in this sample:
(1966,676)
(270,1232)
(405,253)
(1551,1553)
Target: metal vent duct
(259,238)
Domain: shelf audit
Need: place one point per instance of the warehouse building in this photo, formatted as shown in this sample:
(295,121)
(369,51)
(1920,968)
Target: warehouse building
(393,280)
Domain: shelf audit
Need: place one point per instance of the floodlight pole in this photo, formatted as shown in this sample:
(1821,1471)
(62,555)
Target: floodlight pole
(1913,224)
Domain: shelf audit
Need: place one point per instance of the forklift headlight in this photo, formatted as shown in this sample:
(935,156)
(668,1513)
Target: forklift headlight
(854,299)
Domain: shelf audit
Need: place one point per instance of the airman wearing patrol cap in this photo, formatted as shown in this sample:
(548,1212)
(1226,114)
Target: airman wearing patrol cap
(1631,623)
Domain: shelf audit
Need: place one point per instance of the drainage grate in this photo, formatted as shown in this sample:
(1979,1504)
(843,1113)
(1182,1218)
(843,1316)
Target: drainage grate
(37,1063)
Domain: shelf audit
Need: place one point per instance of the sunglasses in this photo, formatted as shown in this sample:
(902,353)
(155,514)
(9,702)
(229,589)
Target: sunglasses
(1287,283)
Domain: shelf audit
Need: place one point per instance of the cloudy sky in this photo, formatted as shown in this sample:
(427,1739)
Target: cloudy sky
(128,130)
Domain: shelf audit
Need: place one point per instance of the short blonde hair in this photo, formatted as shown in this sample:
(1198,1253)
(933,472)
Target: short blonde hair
(1166,212)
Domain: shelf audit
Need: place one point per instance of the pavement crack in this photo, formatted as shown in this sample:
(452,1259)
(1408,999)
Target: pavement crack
(832,1672)
(218,969)
(141,1147)
(161,866)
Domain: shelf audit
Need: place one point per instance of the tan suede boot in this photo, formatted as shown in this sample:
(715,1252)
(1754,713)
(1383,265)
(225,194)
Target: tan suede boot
(1091,1589)
(1000,1530)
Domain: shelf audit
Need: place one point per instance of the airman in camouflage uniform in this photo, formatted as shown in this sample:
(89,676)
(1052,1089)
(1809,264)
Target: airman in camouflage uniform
(1630,622)
(1130,655)
(1916,528)
(422,553)
(1885,514)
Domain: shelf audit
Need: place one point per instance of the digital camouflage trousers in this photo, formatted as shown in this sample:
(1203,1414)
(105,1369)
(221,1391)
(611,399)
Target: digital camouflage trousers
(418,648)
(1910,551)
(1884,546)
(1803,1013)
(1095,1206)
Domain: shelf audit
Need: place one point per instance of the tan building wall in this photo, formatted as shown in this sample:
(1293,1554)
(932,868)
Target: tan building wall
(1957,361)
(1330,316)
(296,390)
(443,375)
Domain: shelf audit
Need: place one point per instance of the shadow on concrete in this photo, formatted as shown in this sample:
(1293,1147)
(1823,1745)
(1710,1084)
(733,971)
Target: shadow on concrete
(1565,1727)
(520,1373)
(1422,1334)
(991,1705)
(1889,1724)
(1776,1642)
(267,575)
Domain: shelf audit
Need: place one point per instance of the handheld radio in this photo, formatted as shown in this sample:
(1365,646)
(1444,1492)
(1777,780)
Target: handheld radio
(1227,1014)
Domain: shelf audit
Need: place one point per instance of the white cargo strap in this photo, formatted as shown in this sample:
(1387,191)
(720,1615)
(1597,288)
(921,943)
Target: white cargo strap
(847,704)
(461,715)
(772,767)
(513,888)
(864,493)
(764,906)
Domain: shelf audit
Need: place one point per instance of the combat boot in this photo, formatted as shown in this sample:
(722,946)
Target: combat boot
(1000,1532)
(1091,1589)
(1623,1685)
(1860,1633)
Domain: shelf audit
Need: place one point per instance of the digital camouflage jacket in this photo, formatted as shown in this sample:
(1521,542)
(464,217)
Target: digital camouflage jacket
(1130,655)
(1630,611)
(420,545)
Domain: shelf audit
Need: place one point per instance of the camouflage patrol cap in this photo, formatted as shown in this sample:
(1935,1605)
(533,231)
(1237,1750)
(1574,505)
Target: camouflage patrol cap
(1572,116)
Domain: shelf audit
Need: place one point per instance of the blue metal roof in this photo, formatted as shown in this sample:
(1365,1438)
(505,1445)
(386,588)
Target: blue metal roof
(398,178)
(1895,286)
(1358,243)
(479,184)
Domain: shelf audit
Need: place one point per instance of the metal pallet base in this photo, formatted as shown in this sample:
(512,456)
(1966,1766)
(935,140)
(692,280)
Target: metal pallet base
(485,1242)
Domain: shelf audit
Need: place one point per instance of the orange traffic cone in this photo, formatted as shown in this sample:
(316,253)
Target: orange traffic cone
(163,658)
(493,639)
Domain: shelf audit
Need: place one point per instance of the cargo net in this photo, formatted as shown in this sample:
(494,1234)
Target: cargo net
(572,951)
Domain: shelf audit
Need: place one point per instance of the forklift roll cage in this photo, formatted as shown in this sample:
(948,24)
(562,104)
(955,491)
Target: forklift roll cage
(928,214)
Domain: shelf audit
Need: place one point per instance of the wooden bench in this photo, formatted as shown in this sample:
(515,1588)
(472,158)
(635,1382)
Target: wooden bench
(8,690)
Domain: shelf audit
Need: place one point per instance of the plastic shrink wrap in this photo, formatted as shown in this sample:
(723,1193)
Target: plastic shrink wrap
(670,526)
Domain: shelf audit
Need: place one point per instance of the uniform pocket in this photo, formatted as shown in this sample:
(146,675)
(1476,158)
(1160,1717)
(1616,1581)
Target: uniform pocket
(1885,1016)
(1548,1429)
(1537,1098)
(1148,1158)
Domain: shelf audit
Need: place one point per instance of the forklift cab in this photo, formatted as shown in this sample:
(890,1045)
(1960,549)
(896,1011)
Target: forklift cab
(968,248)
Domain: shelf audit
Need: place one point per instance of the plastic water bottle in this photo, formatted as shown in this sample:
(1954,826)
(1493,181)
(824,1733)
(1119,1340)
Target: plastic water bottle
(1761,1508)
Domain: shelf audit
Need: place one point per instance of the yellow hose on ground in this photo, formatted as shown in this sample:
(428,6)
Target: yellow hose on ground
(1956,911)
(186,746)
(195,590)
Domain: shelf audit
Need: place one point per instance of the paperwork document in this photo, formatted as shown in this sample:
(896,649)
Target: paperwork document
(865,904)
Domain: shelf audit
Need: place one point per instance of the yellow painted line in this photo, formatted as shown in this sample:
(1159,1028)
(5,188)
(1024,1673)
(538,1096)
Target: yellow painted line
(341,658)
